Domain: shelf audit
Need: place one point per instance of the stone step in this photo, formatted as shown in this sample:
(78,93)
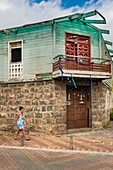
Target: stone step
(70,131)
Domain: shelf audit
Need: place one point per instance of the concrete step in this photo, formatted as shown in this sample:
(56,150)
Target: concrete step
(70,131)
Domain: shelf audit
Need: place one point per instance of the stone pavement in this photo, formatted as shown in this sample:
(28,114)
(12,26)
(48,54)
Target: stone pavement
(99,141)
(79,151)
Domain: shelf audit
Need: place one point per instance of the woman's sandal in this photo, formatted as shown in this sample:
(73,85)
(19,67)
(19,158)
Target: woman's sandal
(15,138)
(27,139)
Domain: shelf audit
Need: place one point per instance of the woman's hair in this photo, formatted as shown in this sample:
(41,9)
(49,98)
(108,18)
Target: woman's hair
(20,108)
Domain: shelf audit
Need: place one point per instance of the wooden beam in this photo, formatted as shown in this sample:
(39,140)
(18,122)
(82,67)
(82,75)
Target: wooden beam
(68,18)
(89,14)
(82,74)
(104,31)
(76,16)
(61,20)
(92,13)
(108,42)
(110,51)
(95,21)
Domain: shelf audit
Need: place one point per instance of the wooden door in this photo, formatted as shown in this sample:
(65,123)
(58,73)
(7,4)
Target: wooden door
(77,109)
(78,45)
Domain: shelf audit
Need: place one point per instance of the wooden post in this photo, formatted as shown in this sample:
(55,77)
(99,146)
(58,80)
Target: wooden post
(22,140)
(71,142)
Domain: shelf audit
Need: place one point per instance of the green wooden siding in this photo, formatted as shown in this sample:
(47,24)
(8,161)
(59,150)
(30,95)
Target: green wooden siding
(3,60)
(37,50)
(42,42)
(77,28)
(104,51)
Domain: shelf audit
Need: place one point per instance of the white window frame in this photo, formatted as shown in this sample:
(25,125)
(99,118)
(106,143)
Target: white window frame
(17,65)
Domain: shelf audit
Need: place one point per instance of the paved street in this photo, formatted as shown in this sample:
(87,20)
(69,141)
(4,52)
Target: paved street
(79,151)
(27,159)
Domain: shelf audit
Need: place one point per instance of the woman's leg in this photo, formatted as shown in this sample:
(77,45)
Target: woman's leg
(17,132)
(23,131)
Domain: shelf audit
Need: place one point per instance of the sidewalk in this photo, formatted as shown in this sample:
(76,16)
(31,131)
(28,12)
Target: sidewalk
(95,141)
(78,151)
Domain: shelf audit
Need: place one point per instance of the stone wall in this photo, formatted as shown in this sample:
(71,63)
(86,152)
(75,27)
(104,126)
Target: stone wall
(44,103)
(100,104)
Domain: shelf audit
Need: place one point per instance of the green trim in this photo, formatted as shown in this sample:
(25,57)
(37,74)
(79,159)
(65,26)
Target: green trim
(73,81)
(110,51)
(69,18)
(104,31)
(89,14)
(77,16)
(108,42)
(95,21)
(61,20)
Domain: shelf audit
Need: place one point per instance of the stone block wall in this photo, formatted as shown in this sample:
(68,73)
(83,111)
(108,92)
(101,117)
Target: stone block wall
(44,103)
(100,104)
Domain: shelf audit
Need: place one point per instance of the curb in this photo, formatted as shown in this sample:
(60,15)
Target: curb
(57,150)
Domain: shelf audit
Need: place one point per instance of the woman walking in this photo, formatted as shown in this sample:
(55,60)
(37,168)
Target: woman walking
(20,123)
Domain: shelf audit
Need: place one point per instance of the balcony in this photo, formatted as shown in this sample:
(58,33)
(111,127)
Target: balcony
(81,66)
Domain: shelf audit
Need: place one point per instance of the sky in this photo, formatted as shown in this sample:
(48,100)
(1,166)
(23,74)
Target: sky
(20,12)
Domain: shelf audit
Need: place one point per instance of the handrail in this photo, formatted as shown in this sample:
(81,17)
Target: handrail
(84,57)
(82,63)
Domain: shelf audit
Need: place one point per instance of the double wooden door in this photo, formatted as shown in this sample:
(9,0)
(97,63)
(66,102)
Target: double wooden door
(78,45)
(77,108)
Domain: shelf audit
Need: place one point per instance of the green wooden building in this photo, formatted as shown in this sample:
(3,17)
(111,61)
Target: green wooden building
(59,70)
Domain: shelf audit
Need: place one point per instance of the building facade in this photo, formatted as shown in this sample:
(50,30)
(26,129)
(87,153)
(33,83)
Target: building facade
(59,71)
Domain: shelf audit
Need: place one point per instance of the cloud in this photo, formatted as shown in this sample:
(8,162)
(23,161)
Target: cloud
(89,2)
(3,7)
(105,8)
(16,13)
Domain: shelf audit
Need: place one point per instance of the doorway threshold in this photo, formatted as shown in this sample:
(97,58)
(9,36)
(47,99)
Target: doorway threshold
(79,130)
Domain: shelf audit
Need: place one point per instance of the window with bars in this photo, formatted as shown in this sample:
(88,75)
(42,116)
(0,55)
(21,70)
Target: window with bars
(15,60)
